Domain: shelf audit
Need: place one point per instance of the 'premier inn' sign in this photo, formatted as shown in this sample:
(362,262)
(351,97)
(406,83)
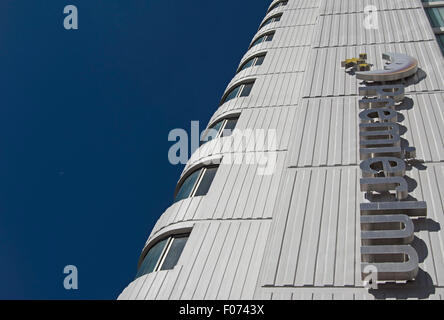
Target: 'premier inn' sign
(387,229)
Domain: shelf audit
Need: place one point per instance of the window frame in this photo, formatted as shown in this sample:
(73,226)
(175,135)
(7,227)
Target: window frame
(224,121)
(241,87)
(255,58)
(435,14)
(273,17)
(203,170)
(163,255)
(167,249)
(263,37)
(440,38)
(278,4)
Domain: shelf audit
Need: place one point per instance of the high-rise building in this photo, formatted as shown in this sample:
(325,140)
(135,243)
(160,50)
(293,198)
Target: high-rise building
(335,186)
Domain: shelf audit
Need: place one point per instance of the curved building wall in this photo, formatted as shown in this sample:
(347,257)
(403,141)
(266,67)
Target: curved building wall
(293,234)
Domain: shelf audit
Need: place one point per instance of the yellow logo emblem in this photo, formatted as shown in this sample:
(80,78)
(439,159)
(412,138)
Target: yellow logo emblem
(357,64)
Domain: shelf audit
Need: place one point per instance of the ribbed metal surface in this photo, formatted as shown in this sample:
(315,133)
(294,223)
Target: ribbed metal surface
(315,226)
(326,133)
(353,6)
(219,262)
(291,18)
(241,193)
(391,29)
(326,130)
(274,123)
(298,4)
(425,126)
(271,90)
(286,60)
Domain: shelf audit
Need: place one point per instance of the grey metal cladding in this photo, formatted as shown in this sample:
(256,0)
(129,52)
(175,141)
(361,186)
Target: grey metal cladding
(329,7)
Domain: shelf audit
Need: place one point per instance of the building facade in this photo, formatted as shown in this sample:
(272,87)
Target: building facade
(238,230)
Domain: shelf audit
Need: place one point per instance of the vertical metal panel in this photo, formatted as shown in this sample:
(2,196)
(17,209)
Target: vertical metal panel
(315,230)
(393,26)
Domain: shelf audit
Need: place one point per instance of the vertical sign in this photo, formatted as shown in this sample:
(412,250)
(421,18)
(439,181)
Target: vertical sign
(387,230)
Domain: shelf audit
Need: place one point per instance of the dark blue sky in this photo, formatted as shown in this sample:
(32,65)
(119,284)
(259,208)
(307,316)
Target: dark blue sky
(84,123)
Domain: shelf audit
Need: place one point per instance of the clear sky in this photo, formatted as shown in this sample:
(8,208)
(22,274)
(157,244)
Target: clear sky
(84,123)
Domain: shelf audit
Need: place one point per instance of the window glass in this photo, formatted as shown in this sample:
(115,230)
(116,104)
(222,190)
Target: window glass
(229,127)
(197,184)
(436,16)
(174,252)
(255,61)
(267,22)
(246,90)
(259,60)
(248,64)
(187,186)
(278,4)
(164,255)
(275,18)
(206,181)
(266,37)
(232,94)
(212,132)
(217,125)
(441,42)
(224,126)
(259,40)
(151,258)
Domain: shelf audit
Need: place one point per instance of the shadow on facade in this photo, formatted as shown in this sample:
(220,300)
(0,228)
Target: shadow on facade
(421,288)
(415,79)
